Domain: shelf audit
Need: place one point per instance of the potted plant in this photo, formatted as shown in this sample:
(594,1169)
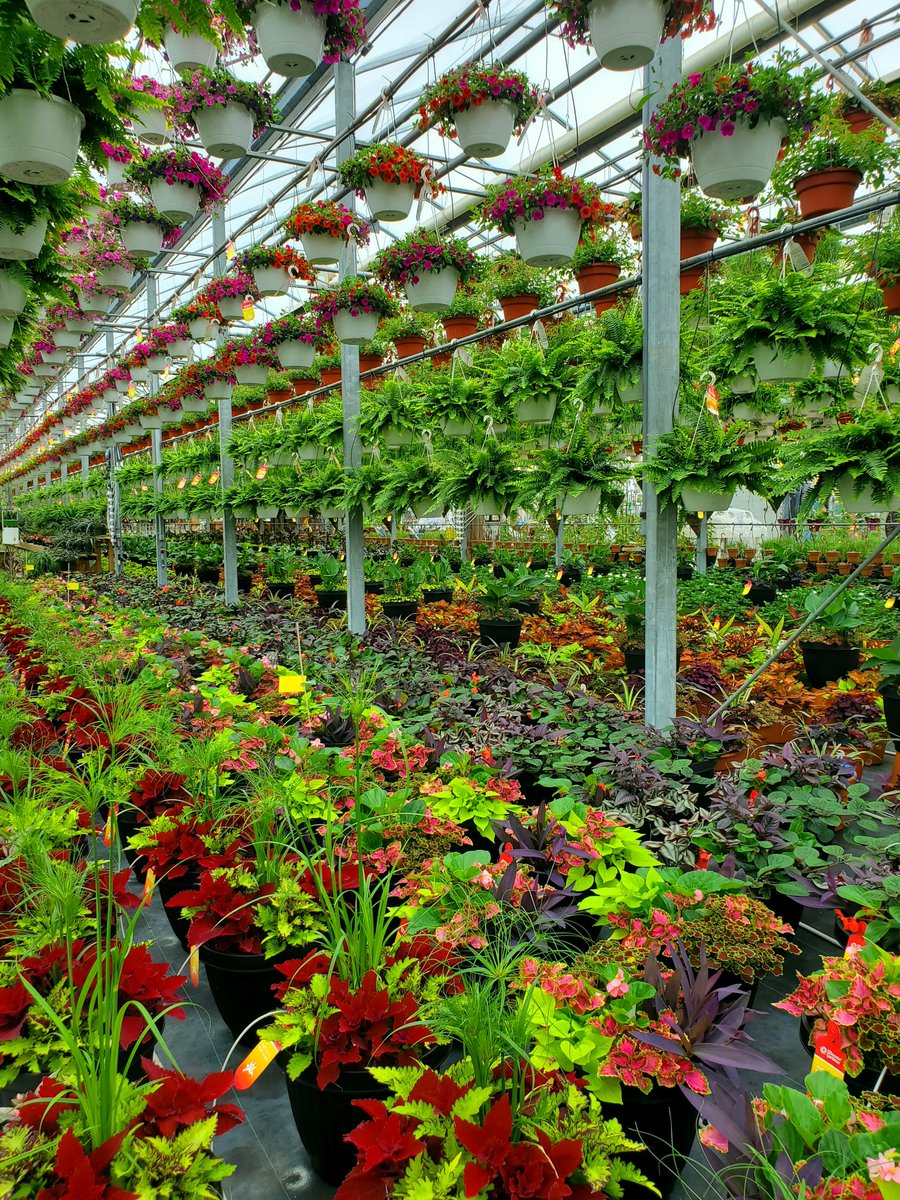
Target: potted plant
(428,267)
(323,227)
(274,268)
(144,231)
(860,459)
(411,483)
(519,288)
(884,95)
(598,263)
(546,213)
(231,294)
(579,478)
(116,159)
(354,308)
(488,477)
(294,339)
(613,376)
(499,620)
(462,317)
(878,255)
(294,38)
(180,181)
(389,177)
(699,464)
(702,224)
(27,212)
(150,123)
(524,382)
(887,659)
(481,104)
(731,120)
(225,112)
(409,332)
(281,569)
(626,36)
(831,654)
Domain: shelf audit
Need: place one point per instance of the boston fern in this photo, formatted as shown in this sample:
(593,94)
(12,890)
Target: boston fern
(521,369)
(710,457)
(408,481)
(562,471)
(612,354)
(867,449)
(487,473)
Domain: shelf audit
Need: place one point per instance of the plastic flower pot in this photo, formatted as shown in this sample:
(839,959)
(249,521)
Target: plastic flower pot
(115,173)
(518,306)
(321,249)
(271,281)
(241,985)
(399,610)
(66,340)
(409,345)
(585,504)
(177,201)
(331,598)
(251,374)
(181,348)
(150,126)
(598,275)
(395,438)
(537,412)
(824,664)
(123,386)
(484,130)
(24,246)
(890,295)
(194,404)
(231,308)
(355,330)
(626,33)
(142,238)
(12,296)
(389,201)
(219,389)
(7,328)
(39,137)
(266,512)
(89,22)
(737,167)
(698,500)
(80,325)
(425,508)
(774,366)
(864,502)
(457,428)
(296,354)
(459,327)
(188,51)
(116,278)
(822,192)
(434,291)
(666,1122)
(500,631)
(550,241)
(291,41)
(330,376)
(693,242)
(226,130)
(97,305)
(437,596)
(150,421)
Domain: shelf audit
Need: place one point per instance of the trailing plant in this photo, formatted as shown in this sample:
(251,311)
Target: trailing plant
(471,86)
(390,162)
(420,252)
(354,295)
(683,17)
(329,218)
(530,197)
(215,88)
(180,165)
(708,456)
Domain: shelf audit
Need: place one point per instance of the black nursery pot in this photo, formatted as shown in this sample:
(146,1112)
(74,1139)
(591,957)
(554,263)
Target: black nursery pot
(324,1117)
(373,587)
(761,593)
(437,595)
(824,663)
(208,574)
(328,598)
(399,610)
(636,660)
(282,591)
(167,888)
(666,1122)
(245,581)
(529,607)
(892,715)
(241,985)
(496,632)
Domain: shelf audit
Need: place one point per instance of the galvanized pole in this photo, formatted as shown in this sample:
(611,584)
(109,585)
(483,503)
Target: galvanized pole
(85,471)
(701,546)
(113,510)
(354,543)
(661,311)
(159,521)
(226,462)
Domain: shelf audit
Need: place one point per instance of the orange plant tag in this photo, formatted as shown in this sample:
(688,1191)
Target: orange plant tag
(149,885)
(194,965)
(255,1063)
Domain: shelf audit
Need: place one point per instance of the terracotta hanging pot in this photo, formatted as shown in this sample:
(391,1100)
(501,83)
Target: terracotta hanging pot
(331,375)
(411,344)
(695,241)
(598,275)
(830,191)
(519,305)
(279,395)
(302,386)
(459,327)
(858,120)
(891,296)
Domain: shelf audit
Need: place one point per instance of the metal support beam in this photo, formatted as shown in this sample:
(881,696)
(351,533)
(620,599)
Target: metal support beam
(560,543)
(226,462)
(701,546)
(85,469)
(661,311)
(159,521)
(113,509)
(354,542)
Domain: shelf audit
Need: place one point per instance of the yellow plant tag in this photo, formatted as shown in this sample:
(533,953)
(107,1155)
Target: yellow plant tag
(291,683)
(746,590)
(229,250)
(255,1063)
(889,603)
(194,965)
(182,482)
(73,585)
(247,311)
(262,470)
(29,566)
(196,479)
(214,478)
(149,886)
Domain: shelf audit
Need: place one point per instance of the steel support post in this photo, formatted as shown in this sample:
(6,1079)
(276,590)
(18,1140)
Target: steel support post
(85,471)
(701,546)
(226,462)
(354,543)
(560,543)
(113,509)
(159,521)
(661,312)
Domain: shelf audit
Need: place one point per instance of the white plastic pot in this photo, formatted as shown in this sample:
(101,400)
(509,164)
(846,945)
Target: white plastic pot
(177,201)
(157,363)
(150,421)
(150,126)
(426,508)
(77,325)
(12,296)
(551,241)
(320,249)
(97,305)
(7,326)
(116,278)
(123,386)
(142,238)
(292,42)
(536,412)
(219,389)
(226,130)
(737,168)
(389,201)
(742,385)
(585,504)
(251,374)
(57,355)
(864,502)
(632,393)
(743,412)
(486,508)
(296,354)
(454,428)
(698,500)
(231,308)
(195,404)
(435,290)
(45,370)
(189,51)
(24,246)
(833,370)
(394,438)
(66,340)
(39,137)
(626,33)
(271,281)
(181,348)
(774,366)
(89,22)
(355,331)
(199,328)
(484,130)
(140,374)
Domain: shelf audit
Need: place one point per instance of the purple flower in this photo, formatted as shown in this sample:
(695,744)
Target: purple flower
(727,128)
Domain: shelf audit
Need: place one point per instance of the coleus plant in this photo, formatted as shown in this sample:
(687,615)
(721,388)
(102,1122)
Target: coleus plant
(329,218)
(471,86)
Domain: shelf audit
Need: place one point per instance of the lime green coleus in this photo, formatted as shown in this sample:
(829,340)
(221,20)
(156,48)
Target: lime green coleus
(464,800)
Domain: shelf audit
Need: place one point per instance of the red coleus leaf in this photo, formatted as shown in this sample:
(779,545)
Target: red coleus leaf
(42,1108)
(489,1142)
(476,1178)
(14,1004)
(180,1101)
(385,1139)
(440,1091)
(158,788)
(83,1176)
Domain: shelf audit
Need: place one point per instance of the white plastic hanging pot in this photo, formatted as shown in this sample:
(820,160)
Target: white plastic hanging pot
(142,238)
(97,305)
(150,126)
(537,412)
(266,512)
(66,340)
(157,363)
(737,167)
(226,130)
(743,412)
(219,389)
(484,130)
(864,502)
(550,241)
(39,137)
(24,246)
(698,500)
(188,51)
(7,326)
(774,366)
(12,296)
(321,249)
(169,416)
(195,404)
(88,22)
(115,173)
(425,508)
(140,374)
(177,201)
(291,41)
(251,374)
(742,385)
(832,369)
(394,438)
(296,354)
(79,325)
(199,328)
(45,370)
(435,290)
(485,508)
(123,386)
(355,331)
(308,452)
(57,355)
(231,308)
(626,33)
(271,281)
(180,348)
(632,393)
(116,278)
(389,201)
(454,428)
(585,504)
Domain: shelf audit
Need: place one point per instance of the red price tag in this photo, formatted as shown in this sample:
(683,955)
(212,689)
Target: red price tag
(827,1053)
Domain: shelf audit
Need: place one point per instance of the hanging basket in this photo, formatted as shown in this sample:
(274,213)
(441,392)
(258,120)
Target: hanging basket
(189,51)
(822,192)
(291,41)
(389,201)
(774,366)
(195,404)
(79,325)
(115,174)
(39,137)
(97,306)
(177,201)
(890,294)
(199,328)
(219,389)
(632,393)
(88,22)
(116,278)
(140,374)
(585,504)
(251,374)
(864,502)
(435,290)
(698,500)
(66,340)
(737,168)
(7,327)
(231,308)
(693,242)
(551,241)
(181,348)
(150,126)
(355,331)
(742,385)
(321,249)
(24,246)
(519,306)
(295,354)
(142,238)
(226,130)
(595,276)
(484,130)
(394,438)
(486,508)
(13,296)
(537,412)
(626,33)
(157,363)
(271,281)
(457,428)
